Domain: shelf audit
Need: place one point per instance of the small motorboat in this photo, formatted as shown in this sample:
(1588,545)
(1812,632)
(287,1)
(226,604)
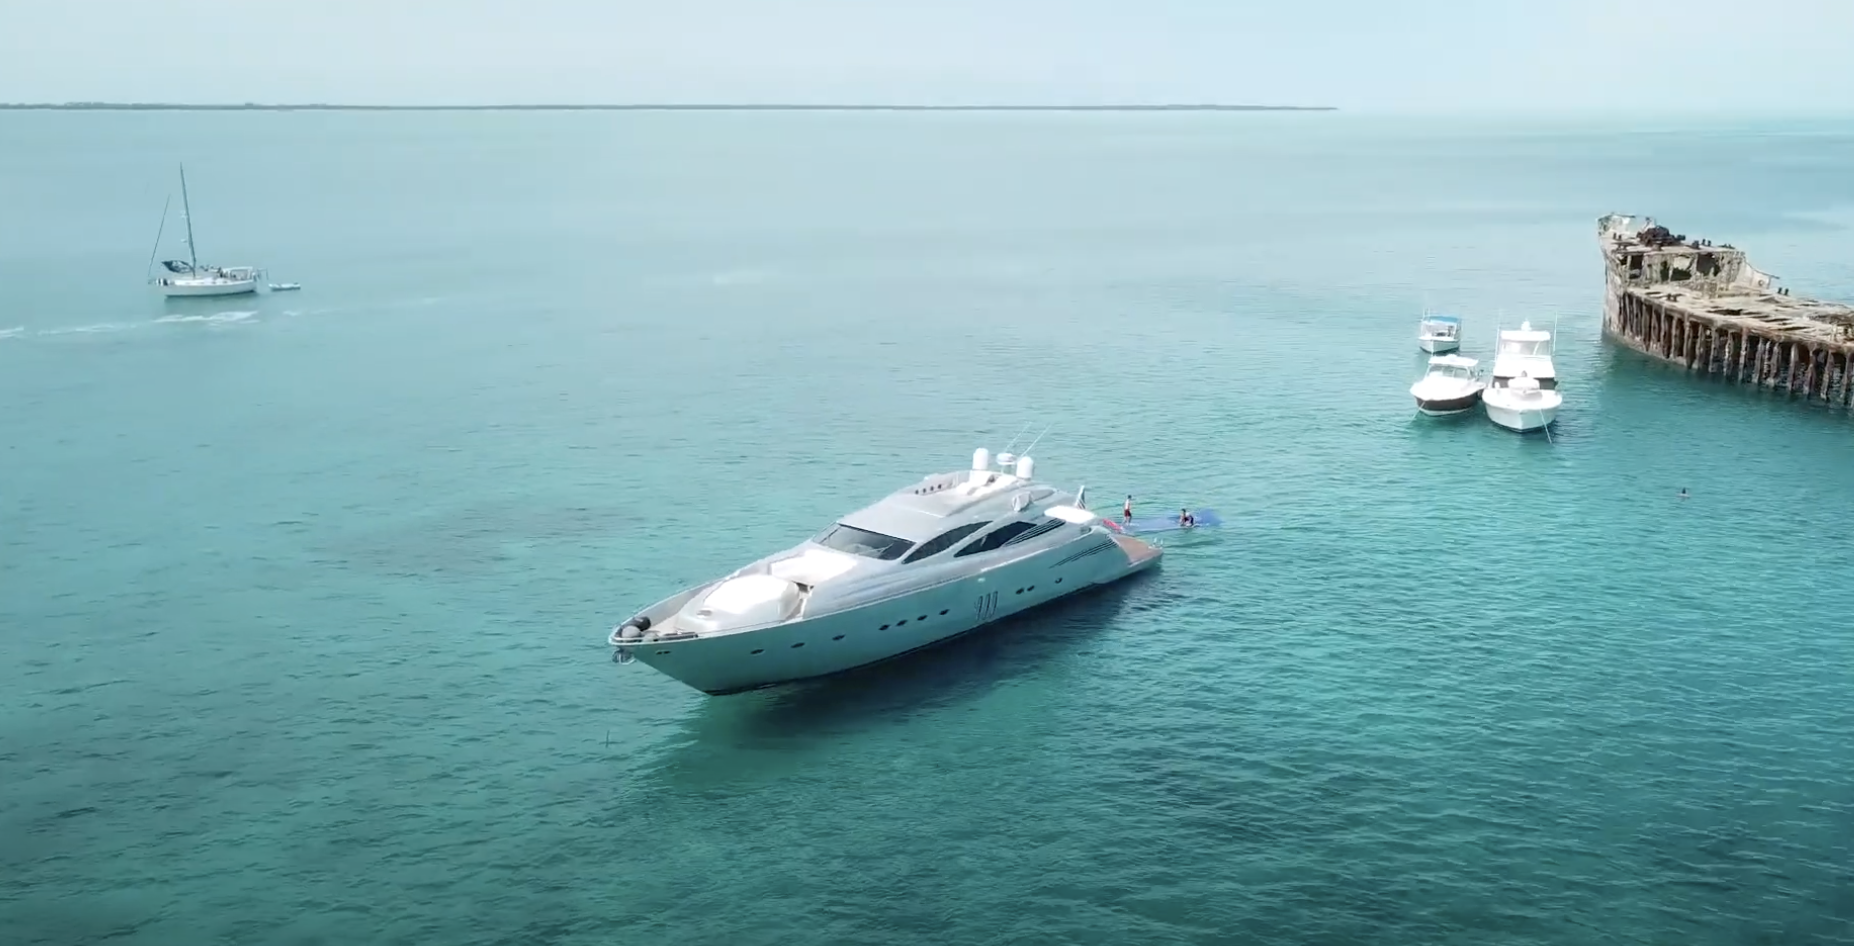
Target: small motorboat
(1451,386)
(285,286)
(1437,334)
(1521,404)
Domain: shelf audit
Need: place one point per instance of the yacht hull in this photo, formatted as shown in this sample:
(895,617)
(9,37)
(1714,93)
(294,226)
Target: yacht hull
(217,287)
(724,664)
(1439,346)
(1522,417)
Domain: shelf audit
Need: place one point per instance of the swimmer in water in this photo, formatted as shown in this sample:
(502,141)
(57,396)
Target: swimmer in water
(1683,492)
(1185,520)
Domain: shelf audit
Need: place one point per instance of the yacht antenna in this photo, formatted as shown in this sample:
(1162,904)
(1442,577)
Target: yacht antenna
(1007,447)
(1033,443)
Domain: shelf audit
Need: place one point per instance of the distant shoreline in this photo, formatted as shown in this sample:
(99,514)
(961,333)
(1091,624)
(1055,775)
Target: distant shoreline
(321,107)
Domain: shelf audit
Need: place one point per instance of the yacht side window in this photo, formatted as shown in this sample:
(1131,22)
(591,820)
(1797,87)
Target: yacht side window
(995,538)
(945,540)
(845,538)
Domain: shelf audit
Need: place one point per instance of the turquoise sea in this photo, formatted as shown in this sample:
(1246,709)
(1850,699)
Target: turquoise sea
(303,597)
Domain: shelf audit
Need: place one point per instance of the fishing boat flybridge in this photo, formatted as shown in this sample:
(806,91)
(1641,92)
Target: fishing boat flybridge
(1526,351)
(186,277)
(929,562)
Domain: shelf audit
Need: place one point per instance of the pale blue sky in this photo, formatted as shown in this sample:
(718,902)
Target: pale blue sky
(1636,55)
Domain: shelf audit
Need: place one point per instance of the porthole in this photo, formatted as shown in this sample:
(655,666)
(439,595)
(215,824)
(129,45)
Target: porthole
(921,618)
(838,637)
(1058,581)
(760,650)
(901,622)
(662,651)
(942,610)
(883,628)
(798,645)
(1031,588)
(1019,591)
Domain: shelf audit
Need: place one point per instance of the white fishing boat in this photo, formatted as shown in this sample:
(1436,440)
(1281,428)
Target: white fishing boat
(1523,393)
(1451,386)
(188,277)
(1437,334)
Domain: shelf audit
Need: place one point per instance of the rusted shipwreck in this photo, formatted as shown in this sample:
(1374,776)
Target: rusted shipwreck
(1705,307)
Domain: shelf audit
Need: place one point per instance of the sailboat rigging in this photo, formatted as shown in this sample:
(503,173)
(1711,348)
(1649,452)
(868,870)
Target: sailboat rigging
(186,277)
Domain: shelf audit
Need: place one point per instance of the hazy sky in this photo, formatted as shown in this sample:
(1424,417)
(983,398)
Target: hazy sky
(1790,55)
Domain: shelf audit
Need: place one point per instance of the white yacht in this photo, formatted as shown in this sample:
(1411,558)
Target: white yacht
(1437,334)
(1451,386)
(186,277)
(929,562)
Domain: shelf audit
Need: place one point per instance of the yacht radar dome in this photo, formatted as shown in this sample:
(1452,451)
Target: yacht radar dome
(981,467)
(1025,467)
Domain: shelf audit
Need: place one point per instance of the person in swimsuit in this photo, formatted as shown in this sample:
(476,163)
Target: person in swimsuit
(1126,511)
(1185,520)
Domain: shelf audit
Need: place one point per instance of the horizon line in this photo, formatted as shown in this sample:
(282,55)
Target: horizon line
(651,107)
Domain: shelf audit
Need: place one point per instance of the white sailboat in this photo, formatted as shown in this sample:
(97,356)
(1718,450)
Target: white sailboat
(186,277)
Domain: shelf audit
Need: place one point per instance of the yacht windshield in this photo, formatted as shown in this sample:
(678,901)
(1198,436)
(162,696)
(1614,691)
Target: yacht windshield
(864,542)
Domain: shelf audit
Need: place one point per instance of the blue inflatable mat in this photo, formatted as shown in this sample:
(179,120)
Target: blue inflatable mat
(1147,525)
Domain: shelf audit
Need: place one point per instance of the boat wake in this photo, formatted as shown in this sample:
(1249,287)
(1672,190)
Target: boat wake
(215,318)
(105,328)
(97,329)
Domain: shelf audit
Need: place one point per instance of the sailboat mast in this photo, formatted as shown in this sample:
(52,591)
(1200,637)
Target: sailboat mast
(193,255)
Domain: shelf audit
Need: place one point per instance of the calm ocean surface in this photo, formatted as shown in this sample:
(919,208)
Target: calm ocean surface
(303,597)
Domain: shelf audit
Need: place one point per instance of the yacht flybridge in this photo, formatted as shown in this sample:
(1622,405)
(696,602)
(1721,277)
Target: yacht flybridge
(928,562)
(1526,351)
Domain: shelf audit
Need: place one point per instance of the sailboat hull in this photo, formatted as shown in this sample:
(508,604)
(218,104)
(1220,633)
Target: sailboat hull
(206,287)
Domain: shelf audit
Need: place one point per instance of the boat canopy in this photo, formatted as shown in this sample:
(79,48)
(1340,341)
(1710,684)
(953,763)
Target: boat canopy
(1441,319)
(1452,361)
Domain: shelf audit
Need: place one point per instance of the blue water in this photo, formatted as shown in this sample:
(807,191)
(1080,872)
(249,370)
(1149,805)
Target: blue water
(303,597)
